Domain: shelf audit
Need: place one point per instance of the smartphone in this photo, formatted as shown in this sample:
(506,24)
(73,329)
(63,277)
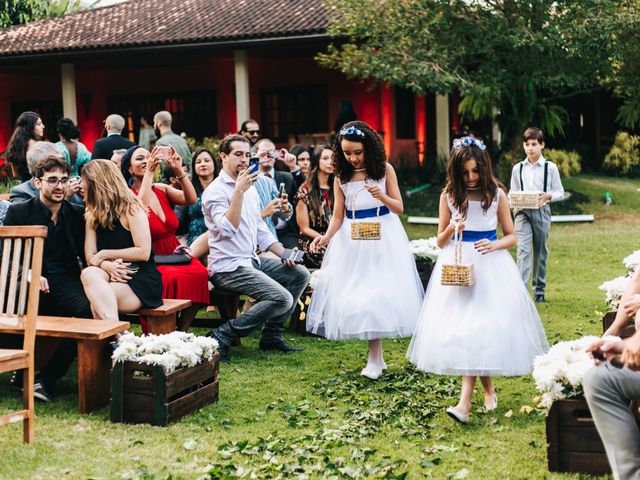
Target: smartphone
(297,256)
(254,164)
(275,154)
(163,153)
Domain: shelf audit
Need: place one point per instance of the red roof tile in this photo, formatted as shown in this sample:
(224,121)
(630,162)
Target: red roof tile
(161,22)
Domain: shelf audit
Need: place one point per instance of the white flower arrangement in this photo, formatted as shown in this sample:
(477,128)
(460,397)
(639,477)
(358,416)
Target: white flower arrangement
(315,277)
(171,351)
(425,249)
(559,372)
(632,261)
(614,290)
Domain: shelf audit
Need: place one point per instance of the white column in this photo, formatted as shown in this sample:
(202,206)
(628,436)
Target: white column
(242,86)
(443,139)
(496,134)
(69,91)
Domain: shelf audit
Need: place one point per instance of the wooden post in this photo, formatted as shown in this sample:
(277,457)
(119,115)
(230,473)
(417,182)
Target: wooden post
(243,110)
(443,129)
(69,91)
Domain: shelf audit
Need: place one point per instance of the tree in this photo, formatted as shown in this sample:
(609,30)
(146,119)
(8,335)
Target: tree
(16,12)
(519,56)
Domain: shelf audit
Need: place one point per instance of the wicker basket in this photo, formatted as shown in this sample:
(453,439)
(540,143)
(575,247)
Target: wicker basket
(457,274)
(520,199)
(369,230)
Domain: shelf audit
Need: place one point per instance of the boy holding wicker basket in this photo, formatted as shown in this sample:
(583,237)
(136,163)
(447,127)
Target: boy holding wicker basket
(534,183)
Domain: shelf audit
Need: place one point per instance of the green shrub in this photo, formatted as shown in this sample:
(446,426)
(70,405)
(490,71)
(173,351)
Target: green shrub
(505,164)
(624,156)
(210,143)
(569,163)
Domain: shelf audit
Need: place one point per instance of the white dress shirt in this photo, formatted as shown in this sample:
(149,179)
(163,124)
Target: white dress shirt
(533,178)
(230,247)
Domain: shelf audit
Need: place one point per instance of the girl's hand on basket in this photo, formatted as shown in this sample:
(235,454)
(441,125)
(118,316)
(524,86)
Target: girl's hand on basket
(485,246)
(318,243)
(456,221)
(375,191)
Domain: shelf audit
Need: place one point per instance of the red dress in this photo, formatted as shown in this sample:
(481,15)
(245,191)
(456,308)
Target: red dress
(185,282)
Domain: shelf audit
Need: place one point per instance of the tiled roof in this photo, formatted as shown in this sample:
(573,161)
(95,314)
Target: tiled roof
(139,23)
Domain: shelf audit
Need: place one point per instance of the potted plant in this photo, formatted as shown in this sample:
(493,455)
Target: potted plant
(425,251)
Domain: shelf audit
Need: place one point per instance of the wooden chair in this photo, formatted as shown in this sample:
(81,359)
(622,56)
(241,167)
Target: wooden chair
(22,249)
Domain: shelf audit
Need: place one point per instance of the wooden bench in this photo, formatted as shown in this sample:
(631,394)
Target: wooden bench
(163,319)
(94,351)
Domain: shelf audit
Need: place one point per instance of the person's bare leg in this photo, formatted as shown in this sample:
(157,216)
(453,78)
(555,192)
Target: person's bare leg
(200,248)
(490,398)
(104,302)
(127,300)
(374,367)
(466,394)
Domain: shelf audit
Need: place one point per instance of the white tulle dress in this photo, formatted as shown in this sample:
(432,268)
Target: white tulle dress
(366,289)
(490,328)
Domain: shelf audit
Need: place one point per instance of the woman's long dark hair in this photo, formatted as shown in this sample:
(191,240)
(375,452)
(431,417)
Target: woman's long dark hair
(315,192)
(67,129)
(375,158)
(19,142)
(196,180)
(456,188)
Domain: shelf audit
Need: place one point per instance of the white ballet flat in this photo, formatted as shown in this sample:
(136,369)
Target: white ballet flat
(371,372)
(490,407)
(457,415)
(384,365)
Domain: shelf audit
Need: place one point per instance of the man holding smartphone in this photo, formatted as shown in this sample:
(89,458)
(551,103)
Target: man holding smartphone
(233,217)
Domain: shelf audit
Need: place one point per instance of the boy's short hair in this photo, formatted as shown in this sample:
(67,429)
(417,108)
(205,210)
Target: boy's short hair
(48,164)
(533,133)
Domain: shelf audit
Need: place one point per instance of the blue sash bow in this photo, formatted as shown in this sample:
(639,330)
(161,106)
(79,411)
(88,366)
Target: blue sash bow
(475,235)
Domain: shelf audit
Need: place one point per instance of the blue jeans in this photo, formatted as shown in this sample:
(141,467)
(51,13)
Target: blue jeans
(275,287)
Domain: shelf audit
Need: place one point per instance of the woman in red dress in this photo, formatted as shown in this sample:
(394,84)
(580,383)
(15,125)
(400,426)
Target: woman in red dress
(189,282)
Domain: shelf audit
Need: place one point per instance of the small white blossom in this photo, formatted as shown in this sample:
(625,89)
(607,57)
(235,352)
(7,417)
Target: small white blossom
(425,249)
(614,290)
(632,261)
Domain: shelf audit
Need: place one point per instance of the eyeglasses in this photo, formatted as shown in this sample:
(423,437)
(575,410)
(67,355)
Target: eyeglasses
(55,181)
(253,132)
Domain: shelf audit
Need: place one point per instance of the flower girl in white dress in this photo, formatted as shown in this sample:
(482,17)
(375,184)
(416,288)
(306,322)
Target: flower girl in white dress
(492,327)
(366,289)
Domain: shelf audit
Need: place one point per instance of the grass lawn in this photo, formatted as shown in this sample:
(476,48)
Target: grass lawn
(311,412)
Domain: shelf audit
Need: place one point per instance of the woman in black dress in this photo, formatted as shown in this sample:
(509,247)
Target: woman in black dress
(122,276)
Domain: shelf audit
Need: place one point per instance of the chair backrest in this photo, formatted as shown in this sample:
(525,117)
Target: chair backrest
(22,248)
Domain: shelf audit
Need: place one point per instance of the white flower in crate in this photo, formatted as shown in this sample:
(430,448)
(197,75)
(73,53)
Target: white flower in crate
(171,351)
(614,290)
(632,261)
(425,248)
(315,277)
(559,373)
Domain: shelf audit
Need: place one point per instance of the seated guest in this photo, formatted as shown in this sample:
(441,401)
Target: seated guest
(169,178)
(104,147)
(74,152)
(628,308)
(232,214)
(283,219)
(187,282)
(608,391)
(301,166)
(61,290)
(122,276)
(28,190)
(205,169)
(314,203)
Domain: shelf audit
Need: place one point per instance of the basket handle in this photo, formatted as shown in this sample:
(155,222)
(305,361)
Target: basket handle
(353,205)
(457,246)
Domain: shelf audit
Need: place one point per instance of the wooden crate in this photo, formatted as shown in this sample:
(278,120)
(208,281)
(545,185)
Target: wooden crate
(521,199)
(143,393)
(573,443)
(608,319)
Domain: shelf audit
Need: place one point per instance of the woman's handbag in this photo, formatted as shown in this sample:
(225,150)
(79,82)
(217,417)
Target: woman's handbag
(173,259)
(457,274)
(366,230)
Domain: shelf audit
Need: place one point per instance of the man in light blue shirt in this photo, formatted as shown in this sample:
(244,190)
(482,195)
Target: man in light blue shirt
(232,213)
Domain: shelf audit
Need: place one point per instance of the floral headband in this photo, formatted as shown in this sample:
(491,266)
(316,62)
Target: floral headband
(352,131)
(468,142)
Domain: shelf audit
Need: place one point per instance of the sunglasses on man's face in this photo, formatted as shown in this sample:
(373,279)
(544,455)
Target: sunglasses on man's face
(253,132)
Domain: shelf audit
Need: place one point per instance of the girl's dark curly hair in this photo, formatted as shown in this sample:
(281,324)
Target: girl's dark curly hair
(456,188)
(19,142)
(375,158)
(196,181)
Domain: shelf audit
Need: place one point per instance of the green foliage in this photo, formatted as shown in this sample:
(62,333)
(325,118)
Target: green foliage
(518,56)
(624,156)
(16,12)
(505,164)
(209,143)
(568,163)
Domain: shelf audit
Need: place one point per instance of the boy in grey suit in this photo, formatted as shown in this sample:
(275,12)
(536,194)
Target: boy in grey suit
(532,225)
